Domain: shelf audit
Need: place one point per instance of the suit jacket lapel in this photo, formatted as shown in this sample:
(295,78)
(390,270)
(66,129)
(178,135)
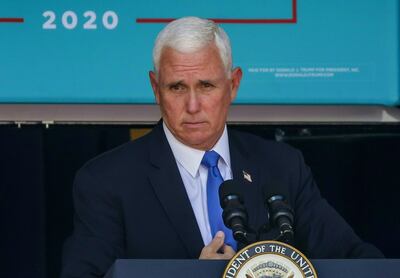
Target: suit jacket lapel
(170,190)
(245,171)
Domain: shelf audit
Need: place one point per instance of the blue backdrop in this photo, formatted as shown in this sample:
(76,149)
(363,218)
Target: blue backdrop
(304,51)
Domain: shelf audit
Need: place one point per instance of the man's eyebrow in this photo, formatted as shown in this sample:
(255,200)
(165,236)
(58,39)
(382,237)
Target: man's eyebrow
(206,81)
(174,83)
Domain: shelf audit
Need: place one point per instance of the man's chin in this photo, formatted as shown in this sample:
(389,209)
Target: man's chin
(198,142)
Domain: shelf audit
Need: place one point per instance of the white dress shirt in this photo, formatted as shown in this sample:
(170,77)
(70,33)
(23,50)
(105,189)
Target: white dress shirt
(194,175)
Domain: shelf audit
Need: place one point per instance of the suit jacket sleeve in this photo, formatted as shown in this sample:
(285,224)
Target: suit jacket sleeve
(319,230)
(97,239)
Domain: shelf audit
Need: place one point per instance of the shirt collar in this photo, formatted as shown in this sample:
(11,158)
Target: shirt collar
(190,158)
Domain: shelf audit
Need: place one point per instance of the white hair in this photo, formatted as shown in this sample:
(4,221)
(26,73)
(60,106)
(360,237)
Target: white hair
(191,34)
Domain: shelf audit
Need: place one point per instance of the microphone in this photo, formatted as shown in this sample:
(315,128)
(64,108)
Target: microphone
(282,216)
(234,213)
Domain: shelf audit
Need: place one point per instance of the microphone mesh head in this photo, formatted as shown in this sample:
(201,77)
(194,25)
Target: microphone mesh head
(229,188)
(274,188)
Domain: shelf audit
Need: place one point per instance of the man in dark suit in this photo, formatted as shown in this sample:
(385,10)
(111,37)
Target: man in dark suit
(152,198)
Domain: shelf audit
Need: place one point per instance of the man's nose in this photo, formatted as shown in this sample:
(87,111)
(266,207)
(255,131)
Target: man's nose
(193,104)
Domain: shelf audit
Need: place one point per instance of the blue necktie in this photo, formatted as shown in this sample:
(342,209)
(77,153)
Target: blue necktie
(214,180)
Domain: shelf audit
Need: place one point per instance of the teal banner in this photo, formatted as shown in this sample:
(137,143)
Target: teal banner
(291,51)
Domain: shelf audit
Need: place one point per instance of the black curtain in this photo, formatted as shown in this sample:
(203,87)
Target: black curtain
(22,197)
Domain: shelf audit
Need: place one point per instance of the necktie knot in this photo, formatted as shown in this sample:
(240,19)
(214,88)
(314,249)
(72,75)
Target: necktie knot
(210,159)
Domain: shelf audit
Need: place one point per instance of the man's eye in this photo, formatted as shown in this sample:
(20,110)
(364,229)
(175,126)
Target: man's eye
(176,87)
(207,85)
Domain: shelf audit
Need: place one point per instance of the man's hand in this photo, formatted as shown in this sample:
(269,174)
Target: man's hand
(217,250)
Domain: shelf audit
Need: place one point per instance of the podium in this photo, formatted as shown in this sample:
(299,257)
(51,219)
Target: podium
(363,268)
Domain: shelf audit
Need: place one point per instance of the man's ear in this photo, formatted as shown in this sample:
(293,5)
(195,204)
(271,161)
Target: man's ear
(236,76)
(154,85)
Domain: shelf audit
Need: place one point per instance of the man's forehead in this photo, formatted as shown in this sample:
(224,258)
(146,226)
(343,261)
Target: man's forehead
(182,74)
(172,81)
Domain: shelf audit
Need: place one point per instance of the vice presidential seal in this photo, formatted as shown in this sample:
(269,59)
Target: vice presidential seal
(269,259)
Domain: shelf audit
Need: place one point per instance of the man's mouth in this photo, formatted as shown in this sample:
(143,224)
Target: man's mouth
(194,124)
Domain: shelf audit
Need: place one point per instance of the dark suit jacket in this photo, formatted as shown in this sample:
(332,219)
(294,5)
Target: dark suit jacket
(131,203)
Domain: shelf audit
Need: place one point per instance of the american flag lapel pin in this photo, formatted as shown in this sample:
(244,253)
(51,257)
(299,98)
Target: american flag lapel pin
(246,176)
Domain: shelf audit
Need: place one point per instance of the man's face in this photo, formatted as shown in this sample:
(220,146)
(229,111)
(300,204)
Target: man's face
(194,94)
